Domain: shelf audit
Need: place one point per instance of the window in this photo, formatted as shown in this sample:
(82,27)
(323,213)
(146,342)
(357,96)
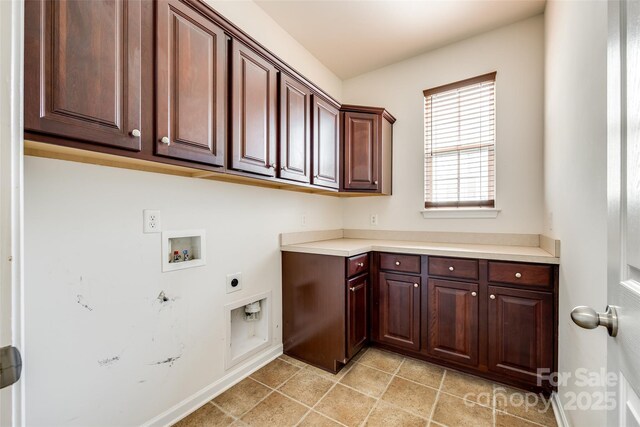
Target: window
(459,144)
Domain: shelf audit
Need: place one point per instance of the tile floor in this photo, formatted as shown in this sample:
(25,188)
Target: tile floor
(378,388)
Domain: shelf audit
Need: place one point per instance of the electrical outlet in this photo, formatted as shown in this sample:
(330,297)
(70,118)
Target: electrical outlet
(374,219)
(151,221)
(234,282)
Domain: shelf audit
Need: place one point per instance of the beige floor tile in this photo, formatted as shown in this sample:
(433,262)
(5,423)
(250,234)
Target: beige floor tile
(314,419)
(385,415)
(410,396)
(325,374)
(453,411)
(275,410)
(207,416)
(367,380)
(383,360)
(506,420)
(306,387)
(241,397)
(293,361)
(359,355)
(421,372)
(531,406)
(468,387)
(346,405)
(275,373)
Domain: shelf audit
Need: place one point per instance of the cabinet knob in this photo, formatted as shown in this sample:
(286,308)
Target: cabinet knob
(135,133)
(272,165)
(451,268)
(415,285)
(375,182)
(361,264)
(492,296)
(165,140)
(352,289)
(397,262)
(518,275)
(473,294)
(316,176)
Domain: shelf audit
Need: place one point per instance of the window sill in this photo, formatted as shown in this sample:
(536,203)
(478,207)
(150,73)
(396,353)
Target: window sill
(462,213)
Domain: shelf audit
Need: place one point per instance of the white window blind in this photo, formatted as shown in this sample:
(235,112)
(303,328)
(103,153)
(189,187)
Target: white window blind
(459,135)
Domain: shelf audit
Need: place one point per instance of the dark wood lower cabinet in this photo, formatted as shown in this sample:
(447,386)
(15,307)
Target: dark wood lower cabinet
(520,332)
(452,321)
(399,310)
(357,314)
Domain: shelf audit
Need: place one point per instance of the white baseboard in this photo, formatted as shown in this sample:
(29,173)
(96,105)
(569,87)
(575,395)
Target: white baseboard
(195,401)
(558,410)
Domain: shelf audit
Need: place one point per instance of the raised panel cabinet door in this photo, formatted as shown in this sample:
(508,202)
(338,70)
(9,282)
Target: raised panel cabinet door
(295,130)
(83,70)
(190,85)
(361,151)
(357,314)
(520,332)
(399,315)
(452,321)
(254,103)
(326,144)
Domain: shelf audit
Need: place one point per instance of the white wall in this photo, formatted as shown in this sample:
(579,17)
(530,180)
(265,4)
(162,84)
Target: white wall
(84,245)
(516,53)
(575,178)
(258,24)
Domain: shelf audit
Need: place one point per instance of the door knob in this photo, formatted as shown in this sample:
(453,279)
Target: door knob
(588,318)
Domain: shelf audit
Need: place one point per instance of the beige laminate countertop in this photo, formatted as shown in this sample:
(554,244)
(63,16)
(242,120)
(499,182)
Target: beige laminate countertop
(349,247)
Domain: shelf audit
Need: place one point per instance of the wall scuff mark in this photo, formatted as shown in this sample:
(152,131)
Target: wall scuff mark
(82,303)
(169,360)
(108,361)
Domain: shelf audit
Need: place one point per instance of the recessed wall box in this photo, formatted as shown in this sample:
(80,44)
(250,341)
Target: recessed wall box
(183,249)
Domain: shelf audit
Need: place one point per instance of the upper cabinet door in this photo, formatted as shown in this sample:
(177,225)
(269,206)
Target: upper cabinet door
(295,130)
(83,70)
(326,144)
(190,85)
(361,151)
(254,103)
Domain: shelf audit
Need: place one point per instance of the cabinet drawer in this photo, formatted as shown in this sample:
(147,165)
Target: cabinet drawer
(357,264)
(539,276)
(453,267)
(397,262)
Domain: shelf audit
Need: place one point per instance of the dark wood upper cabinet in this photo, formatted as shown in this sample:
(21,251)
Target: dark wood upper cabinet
(399,310)
(452,321)
(254,105)
(520,333)
(326,144)
(357,314)
(83,71)
(367,149)
(190,85)
(295,130)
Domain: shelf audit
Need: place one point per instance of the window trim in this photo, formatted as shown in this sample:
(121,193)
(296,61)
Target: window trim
(482,208)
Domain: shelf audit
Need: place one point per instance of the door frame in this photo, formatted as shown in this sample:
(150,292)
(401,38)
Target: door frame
(12,409)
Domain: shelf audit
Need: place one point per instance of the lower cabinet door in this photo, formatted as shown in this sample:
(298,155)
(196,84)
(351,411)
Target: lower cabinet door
(399,310)
(357,314)
(520,332)
(452,321)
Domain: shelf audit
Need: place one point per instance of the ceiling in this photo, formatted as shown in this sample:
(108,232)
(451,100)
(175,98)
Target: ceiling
(352,37)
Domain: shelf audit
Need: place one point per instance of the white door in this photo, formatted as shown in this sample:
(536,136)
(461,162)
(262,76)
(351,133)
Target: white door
(11,48)
(623,287)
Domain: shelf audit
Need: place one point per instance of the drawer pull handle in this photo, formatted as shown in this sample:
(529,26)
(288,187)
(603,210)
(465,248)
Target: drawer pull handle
(518,275)
(492,296)
(451,268)
(397,262)
(473,294)
(361,264)
(415,285)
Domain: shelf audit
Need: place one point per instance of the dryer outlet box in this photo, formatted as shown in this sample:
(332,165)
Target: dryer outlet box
(234,282)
